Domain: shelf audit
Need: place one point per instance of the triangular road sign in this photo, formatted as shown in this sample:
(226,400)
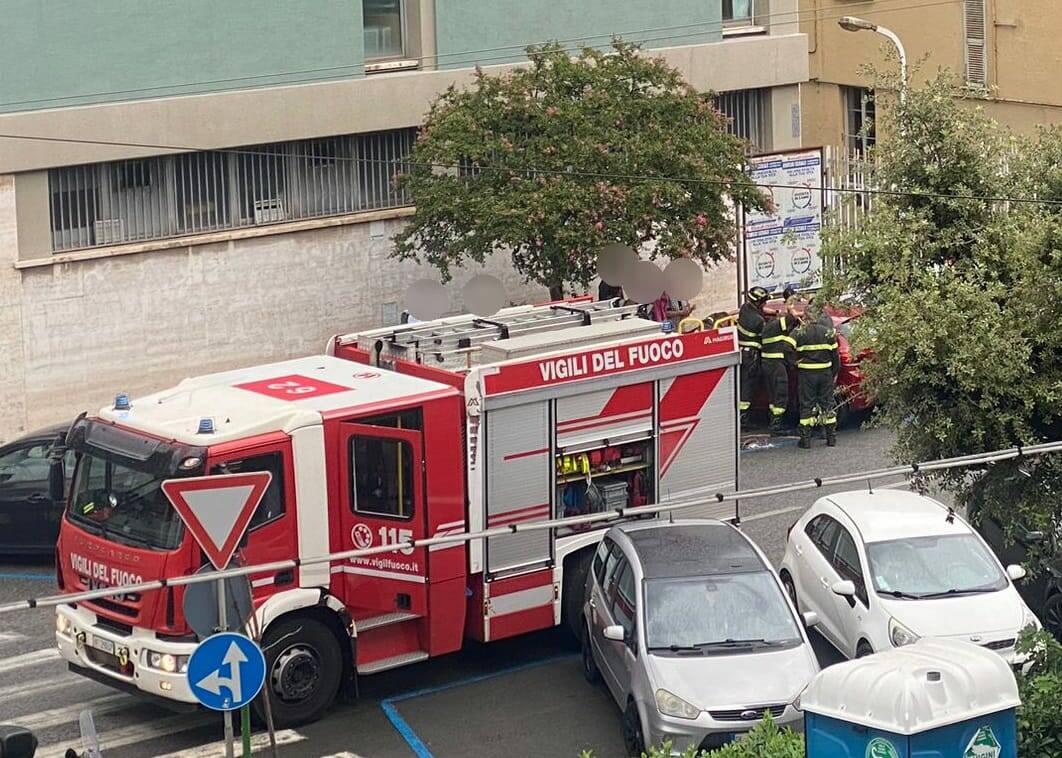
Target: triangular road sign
(217,509)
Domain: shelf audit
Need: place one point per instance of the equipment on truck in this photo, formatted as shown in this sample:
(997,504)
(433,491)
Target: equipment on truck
(400,434)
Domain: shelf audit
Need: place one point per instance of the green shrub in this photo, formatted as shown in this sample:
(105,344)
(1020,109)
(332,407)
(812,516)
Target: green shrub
(1040,688)
(765,740)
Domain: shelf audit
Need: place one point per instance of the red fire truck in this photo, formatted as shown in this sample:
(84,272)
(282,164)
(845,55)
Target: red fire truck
(426,429)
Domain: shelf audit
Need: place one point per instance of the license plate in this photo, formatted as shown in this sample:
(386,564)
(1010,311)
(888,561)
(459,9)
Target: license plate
(101,644)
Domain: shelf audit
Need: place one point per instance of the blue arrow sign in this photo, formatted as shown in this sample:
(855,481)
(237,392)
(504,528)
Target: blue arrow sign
(226,671)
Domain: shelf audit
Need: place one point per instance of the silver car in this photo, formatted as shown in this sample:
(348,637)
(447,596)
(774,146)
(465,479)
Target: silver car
(693,634)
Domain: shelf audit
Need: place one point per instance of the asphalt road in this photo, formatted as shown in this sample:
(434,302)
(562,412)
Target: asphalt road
(520,697)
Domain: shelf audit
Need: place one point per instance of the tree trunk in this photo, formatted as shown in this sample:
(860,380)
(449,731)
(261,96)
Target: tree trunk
(556,292)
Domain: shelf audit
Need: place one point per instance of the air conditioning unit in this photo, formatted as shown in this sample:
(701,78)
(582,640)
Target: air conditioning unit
(268,211)
(109,231)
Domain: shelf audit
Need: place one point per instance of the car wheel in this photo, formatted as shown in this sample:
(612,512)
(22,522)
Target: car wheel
(591,672)
(633,739)
(790,588)
(304,665)
(863,649)
(1052,615)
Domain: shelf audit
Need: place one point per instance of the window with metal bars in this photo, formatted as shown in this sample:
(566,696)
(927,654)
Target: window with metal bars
(858,118)
(748,116)
(190,193)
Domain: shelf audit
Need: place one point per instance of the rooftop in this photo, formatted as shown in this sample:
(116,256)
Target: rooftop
(691,548)
(887,514)
(275,397)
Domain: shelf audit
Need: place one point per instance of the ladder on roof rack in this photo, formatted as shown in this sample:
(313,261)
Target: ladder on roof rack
(445,338)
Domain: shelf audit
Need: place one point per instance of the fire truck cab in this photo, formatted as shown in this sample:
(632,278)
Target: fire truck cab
(400,434)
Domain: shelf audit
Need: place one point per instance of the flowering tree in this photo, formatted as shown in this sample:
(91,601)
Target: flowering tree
(557,159)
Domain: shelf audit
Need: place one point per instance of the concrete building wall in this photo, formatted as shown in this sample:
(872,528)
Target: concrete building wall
(1022,50)
(512,24)
(66,52)
(136,323)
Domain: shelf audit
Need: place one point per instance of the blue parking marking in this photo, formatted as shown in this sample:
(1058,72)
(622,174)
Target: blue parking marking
(406,731)
(28,577)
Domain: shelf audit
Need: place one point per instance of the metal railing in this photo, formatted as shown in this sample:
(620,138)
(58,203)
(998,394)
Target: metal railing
(617,515)
(748,115)
(191,193)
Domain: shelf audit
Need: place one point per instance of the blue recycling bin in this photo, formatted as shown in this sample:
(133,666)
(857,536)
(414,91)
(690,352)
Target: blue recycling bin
(932,699)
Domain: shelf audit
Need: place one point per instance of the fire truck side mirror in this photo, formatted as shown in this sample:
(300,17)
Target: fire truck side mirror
(17,742)
(56,490)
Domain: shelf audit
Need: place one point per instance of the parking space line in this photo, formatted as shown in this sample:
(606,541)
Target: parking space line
(406,731)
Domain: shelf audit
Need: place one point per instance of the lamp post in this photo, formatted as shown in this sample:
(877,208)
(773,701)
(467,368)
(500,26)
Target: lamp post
(853,24)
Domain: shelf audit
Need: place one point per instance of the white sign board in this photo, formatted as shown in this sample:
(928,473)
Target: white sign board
(783,247)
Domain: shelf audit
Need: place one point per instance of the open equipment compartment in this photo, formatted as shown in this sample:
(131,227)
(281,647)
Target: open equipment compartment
(604,452)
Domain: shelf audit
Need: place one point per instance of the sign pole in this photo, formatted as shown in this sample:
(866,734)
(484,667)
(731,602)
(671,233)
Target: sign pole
(223,627)
(245,730)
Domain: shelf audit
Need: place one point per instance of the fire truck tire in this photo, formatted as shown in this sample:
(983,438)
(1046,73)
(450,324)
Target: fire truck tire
(576,569)
(304,665)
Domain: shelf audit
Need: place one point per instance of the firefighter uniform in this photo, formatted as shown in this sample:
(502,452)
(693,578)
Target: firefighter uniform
(818,363)
(778,354)
(750,323)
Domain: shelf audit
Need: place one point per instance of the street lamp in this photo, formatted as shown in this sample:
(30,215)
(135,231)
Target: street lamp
(853,24)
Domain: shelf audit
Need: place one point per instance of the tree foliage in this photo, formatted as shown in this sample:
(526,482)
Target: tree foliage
(552,158)
(963,290)
(765,740)
(1040,690)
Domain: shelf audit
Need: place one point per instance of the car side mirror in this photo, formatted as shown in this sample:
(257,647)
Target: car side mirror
(17,742)
(1016,572)
(844,588)
(615,633)
(810,619)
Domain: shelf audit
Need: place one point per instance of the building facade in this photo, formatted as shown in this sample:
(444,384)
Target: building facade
(1004,52)
(187,187)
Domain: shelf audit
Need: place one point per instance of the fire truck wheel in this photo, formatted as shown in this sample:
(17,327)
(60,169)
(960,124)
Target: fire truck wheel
(576,569)
(304,664)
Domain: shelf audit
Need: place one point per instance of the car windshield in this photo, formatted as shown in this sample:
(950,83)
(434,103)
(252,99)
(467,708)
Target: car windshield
(123,504)
(933,566)
(723,611)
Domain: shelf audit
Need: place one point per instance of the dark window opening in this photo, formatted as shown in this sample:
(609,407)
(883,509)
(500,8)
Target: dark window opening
(272,505)
(382,476)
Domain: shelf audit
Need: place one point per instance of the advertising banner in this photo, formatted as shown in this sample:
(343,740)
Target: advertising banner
(782,247)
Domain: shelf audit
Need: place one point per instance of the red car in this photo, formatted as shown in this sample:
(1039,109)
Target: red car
(850,396)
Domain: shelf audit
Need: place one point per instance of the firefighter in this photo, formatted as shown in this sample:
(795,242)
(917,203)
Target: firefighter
(779,355)
(818,363)
(750,325)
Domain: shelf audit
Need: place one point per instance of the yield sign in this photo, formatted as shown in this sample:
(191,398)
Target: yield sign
(217,509)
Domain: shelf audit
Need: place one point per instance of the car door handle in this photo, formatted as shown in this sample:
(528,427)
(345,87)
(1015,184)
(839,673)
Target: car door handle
(799,550)
(37,497)
(593,605)
(825,582)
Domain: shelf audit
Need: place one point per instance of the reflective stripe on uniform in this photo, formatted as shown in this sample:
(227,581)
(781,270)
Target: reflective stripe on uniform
(750,345)
(815,365)
(780,356)
(812,421)
(779,338)
(743,405)
(746,332)
(777,411)
(824,346)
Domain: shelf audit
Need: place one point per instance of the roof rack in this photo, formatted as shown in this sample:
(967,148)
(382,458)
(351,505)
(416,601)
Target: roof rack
(453,342)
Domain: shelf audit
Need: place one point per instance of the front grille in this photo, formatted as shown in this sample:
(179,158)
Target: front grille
(113,607)
(108,661)
(999,644)
(715,740)
(752,713)
(114,626)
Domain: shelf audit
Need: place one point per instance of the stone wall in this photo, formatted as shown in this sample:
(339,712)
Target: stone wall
(72,335)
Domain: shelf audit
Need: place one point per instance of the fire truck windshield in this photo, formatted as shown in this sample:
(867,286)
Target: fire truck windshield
(123,504)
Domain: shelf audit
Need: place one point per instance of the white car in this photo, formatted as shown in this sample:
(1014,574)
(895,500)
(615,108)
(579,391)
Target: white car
(881,569)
